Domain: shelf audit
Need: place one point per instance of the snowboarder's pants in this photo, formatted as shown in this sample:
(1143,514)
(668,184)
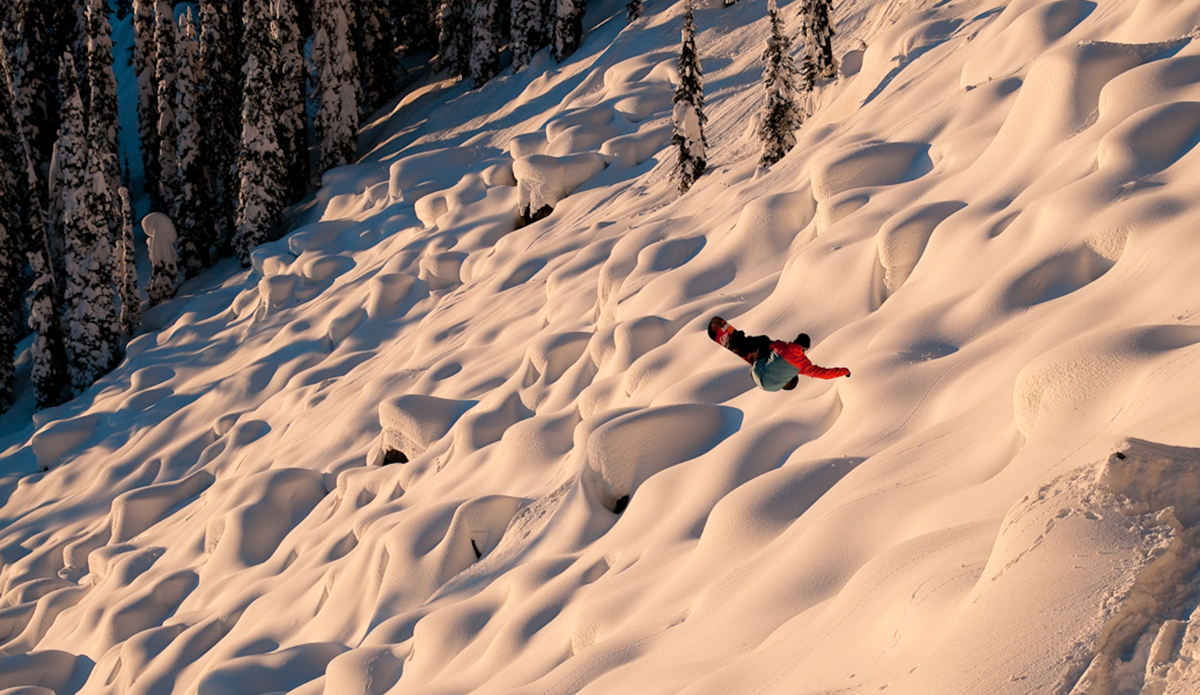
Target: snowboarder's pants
(773,372)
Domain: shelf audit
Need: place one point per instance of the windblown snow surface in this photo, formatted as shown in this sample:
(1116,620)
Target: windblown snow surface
(387,459)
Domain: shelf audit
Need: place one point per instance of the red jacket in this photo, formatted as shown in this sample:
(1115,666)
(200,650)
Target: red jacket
(794,354)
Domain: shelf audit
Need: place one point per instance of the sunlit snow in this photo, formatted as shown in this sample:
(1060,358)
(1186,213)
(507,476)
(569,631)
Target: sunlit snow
(417,449)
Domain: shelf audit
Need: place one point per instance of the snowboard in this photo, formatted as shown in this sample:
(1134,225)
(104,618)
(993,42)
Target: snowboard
(735,341)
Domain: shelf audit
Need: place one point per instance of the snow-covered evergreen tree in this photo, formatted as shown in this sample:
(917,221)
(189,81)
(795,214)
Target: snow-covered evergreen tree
(257,36)
(127,279)
(192,204)
(16,179)
(416,24)
(34,81)
(633,11)
(781,114)
(17,205)
(336,85)
(101,214)
(485,42)
(103,128)
(816,18)
(10,21)
(291,77)
(161,240)
(454,37)
(51,376)
(165,74)
(9,291)
(220,113)
(70,176)
(688,116)
(568,28)
(528,21)
(12,139)
(260,164)
(376,53)
(89,312)
(145,63)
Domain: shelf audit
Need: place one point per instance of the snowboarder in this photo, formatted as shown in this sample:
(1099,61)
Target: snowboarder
(775,364)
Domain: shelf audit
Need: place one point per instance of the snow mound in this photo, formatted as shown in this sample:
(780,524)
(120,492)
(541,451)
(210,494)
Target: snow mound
(635,148)
(1093,376)
(432,206)
(1116,555)
(413,422)
(139,509)
(767,226)
(630,449)
(1018,35)
(414,176)
(543,180)
(581,138)
(869,165)
(1150,140)
(257,511)
(38,673)
(526,144)
(903,238)
(52,442)
(1059,97)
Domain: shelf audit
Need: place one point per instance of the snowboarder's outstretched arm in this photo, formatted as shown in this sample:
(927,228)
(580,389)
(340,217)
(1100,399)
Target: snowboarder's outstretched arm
(794,354)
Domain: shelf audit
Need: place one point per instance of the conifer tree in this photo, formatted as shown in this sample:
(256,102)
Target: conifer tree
(9,290)
(16,178)
(633,11)
(454,37)
(291,78)
(145,64)
(70,176)
(257,35)
(104,170)
(416,24)
(16,206)
(568,28)
(376,53)
(485,45)
(192,202)
(161,238)
(127,279)
(51,377)
(35,81)
(688,116)
(781,115)
(336,85)
(260,164)
(12,160)
(220,110)
(102,224)
(165,75)
(817,27)
(527,30)
(89,313)
(103,128)
(10,21)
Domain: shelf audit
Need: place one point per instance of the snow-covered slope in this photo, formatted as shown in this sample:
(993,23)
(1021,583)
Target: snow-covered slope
(991,222)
